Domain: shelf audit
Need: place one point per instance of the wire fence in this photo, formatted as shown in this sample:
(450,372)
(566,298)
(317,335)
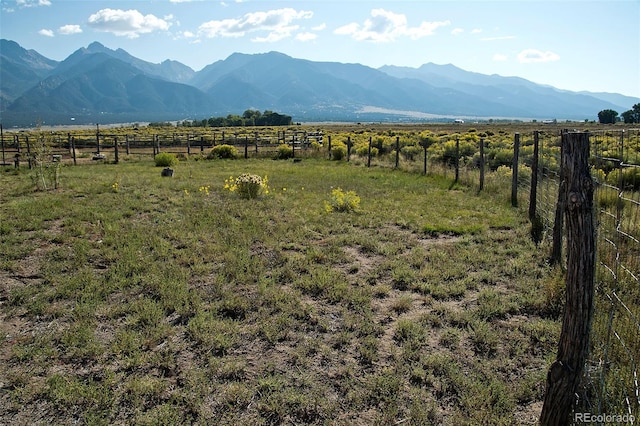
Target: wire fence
(611,383)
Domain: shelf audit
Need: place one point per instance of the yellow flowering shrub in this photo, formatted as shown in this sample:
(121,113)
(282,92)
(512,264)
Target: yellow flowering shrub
(247,185)
(342,201)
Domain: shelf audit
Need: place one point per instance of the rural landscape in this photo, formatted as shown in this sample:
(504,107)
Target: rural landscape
(307,274)
(236,212)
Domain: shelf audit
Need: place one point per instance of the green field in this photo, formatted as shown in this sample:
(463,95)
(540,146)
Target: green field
(128,298)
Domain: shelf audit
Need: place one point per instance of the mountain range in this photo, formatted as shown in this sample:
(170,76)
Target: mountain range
(100,85)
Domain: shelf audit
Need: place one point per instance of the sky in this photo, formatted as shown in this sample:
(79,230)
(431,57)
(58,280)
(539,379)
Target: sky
(569,44)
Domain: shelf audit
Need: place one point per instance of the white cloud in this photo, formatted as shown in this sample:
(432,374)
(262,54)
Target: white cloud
(32,3)
(129,23)
(510,37)
(534,55)
(319,27)
(69,29)
(386,26)
(499,57)
(306,36)
(476,31)
(457,31)
(278,23)
(185,34)
(46,33)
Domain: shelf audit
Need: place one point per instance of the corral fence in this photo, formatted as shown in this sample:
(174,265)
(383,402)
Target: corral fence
(20,147)
(609,384)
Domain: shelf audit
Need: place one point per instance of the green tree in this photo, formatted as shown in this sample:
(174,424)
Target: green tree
(633,115)
(607,116)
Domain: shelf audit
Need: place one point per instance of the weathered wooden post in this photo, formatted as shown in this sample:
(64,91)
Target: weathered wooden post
(115,146)
(457,159)
(202,142)
(188,144)
(397,151)
(558,221)
(246,147)
(424,168)
(369,153)
(329,146)
(2,139)
(514,170)
(533,195)
(481,187)
(293,145)
(29,159)
(565,373)
(126,141)
(348,148)
(73,150)
(97,138)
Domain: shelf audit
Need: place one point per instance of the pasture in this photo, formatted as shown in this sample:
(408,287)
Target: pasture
(131,298)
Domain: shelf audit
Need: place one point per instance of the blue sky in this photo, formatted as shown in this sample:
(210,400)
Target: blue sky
(569,44)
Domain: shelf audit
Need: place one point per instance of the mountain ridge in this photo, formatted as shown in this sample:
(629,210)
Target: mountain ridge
(96,83)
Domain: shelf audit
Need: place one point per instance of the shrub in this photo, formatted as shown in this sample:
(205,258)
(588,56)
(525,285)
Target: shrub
(223,152)
(343,201)
(165,159)
(338,151)
(284,152)
(411,152)
(247,185)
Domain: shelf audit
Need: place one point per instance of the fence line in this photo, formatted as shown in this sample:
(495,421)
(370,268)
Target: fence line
(610,382)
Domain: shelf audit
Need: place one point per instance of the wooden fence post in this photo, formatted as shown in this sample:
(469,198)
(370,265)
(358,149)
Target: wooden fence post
(533,195)
(397,151)
(369,153)
(329,146)
(565,373)
(514,170)
(424,171)
(293,145)
(457,159)
(558,221)
(126,141)
(246,147)
(28,152)
(73,150)
(2,139)
(97,138)
(115,145)
(481,187)
(348,148)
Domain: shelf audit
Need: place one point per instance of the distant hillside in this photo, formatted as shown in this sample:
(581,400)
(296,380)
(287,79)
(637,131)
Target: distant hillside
(20,69)
(98,84)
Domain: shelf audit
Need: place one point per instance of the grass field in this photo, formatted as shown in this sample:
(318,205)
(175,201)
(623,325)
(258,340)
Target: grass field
(128,298)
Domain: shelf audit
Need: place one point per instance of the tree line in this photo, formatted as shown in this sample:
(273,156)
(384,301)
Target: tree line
(609,116)
(249,118)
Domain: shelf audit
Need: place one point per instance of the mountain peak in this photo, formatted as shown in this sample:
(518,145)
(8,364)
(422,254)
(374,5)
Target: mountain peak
(96,47)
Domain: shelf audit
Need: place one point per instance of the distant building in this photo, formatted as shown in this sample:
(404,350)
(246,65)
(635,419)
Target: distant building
(458,121)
